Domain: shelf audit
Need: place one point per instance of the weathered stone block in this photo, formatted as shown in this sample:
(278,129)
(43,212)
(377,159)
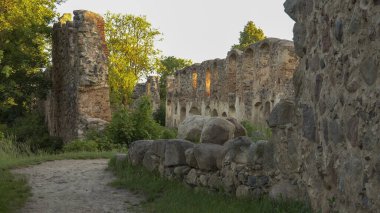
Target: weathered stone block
(217,131)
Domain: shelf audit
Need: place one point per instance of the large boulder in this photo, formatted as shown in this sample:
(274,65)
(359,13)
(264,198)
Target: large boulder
(175,152)
(261,153)
(217,131)
(166,153)
(190,158)
(153,156)
(235,150)
(283,113)
(137,151)
(191,128)
(206,156)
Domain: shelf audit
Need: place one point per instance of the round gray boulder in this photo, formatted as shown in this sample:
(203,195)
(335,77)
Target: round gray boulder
(217,131)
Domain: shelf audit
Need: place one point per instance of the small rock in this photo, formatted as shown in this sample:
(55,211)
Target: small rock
(191,178)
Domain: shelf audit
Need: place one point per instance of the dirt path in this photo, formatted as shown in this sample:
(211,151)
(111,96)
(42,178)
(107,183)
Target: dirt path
(75,186)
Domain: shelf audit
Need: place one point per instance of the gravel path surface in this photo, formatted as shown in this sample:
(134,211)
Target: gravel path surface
(75,186)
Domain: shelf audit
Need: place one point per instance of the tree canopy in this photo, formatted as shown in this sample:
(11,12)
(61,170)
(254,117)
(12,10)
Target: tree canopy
(250,34)
(168,66)
(130,40)
(24,36)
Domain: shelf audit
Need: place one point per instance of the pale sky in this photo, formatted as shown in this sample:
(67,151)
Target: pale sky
(197,29)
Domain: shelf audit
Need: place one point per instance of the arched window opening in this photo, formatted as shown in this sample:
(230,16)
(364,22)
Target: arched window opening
(214,113)
(208,83)
(194,111)
(183,114)
(232,69)
(195,79)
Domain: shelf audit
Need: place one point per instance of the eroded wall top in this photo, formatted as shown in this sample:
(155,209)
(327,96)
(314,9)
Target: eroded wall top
(79,97)
(245,85)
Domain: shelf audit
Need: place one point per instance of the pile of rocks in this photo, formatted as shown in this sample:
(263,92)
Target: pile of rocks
(221,162)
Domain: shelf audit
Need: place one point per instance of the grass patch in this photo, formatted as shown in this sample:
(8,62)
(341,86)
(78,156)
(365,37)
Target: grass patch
(172,196)
(257,132)
(14,190)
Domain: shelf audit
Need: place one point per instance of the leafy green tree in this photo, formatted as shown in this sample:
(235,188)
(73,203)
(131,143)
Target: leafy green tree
(130,40)
(24,36)
(251,34)
(168,66)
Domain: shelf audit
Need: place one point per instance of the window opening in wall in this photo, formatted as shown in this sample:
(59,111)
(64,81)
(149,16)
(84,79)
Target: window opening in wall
(208,83)
(208,111)
(224,114)
(194,111)
(214,113)
(183,114)
(232,74)
(231,111)
(195,79)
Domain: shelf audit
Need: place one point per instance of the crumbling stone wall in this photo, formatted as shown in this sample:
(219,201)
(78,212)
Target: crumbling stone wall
(329,140)
(79,97)
(245,85)
(150,88)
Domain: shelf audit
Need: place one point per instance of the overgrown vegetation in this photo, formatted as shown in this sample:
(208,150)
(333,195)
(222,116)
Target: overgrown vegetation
(167,66)
(31,130)
(257,132)
(250,35)
(172,196)
(25,34)
(130,125)
(130,40)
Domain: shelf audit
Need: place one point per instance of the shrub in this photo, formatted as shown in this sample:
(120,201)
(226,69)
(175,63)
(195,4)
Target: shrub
(31,130)
(257,132)
(102,141)
(9,147)
(160,114)
(131,125)
(168,133)
(81,146)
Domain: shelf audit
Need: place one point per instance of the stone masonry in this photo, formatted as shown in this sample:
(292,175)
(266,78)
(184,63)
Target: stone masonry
(150,88)
(328,142)
(79,97)
(246,85)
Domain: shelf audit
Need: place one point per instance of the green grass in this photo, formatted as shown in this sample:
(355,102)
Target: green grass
(172,196)
(14,190)
(257,132)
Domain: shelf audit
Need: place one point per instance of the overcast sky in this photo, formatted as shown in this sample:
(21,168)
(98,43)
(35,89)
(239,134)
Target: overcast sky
(197,29)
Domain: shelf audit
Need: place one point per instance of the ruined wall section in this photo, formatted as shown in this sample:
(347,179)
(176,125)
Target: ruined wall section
(333,141)
(79,98)
(150,88)
(245,85)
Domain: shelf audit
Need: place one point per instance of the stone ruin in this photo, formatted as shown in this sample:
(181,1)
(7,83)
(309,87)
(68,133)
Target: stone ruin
(150,88)
(325,147)
(246,85)
(328,142)
(79,97)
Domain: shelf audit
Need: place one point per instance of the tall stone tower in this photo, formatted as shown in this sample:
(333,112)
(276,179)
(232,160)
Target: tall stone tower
(79,97)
